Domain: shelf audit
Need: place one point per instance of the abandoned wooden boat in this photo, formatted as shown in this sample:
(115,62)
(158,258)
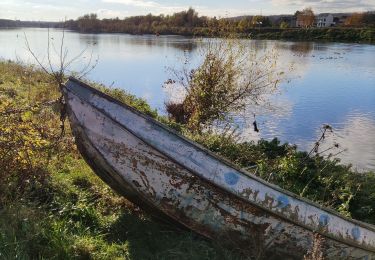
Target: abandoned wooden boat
(166,173)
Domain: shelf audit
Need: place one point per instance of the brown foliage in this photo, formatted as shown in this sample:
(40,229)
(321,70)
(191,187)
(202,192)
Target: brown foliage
(29,130)
(355,20)
(306,18)
(177,113)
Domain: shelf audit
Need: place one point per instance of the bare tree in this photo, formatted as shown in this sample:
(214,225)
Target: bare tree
(64,63)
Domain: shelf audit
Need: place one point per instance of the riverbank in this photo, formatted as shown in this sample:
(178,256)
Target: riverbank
(53,206)
(346,35)
(333,34)
(356,35)
(343,35)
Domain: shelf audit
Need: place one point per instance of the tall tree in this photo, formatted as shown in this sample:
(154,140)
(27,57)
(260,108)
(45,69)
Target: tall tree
(369,19)
(88,23)
(305,18)
(244,24)
(355,19)
(260,21)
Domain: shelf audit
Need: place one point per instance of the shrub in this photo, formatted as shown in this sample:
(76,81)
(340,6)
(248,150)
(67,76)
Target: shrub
(231,76)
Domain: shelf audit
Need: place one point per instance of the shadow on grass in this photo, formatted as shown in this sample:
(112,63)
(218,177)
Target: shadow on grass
(148,238)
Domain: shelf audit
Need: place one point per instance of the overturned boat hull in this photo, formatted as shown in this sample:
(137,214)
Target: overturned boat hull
(169,175)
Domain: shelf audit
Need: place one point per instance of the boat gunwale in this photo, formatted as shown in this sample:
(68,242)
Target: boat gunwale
(229,164)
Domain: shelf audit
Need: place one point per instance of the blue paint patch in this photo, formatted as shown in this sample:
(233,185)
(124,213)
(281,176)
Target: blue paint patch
(356,233)
(323,220)
(283,201)
(186,201)
(209,195)
(231,178)
(343,253)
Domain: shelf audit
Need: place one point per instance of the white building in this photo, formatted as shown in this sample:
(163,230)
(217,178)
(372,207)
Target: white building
(324,20)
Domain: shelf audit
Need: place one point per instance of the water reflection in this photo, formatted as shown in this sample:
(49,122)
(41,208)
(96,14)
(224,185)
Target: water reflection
(271,118)
(177,42)
(357,137)
(302,48)
(90,39)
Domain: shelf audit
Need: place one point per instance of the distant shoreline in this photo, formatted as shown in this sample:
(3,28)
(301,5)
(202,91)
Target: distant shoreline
(333,34)
(347,35)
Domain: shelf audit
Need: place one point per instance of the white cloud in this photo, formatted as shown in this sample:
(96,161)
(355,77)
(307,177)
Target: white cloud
(223,12)
(136,3)
(107,13)
(149,6)
(327,5)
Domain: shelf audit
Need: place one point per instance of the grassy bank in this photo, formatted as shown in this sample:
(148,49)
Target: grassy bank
(318,34)
(53,206)
(355,35)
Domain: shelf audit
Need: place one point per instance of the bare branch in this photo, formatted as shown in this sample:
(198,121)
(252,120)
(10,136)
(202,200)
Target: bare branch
(64,63)
(34,56)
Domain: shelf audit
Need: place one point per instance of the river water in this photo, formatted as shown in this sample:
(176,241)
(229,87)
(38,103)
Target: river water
(331,83)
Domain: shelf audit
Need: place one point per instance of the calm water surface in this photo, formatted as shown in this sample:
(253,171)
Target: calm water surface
(332,83)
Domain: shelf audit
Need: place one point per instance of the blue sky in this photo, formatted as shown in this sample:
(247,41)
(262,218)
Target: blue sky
(55,10)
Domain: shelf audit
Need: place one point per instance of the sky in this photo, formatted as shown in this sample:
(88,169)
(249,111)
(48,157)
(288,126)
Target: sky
(58,10)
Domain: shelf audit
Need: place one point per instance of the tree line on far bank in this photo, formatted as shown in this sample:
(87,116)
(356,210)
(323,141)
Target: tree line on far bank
(190,23)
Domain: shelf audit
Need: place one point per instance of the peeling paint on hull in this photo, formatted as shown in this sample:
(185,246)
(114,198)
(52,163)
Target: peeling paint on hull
(168,174)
